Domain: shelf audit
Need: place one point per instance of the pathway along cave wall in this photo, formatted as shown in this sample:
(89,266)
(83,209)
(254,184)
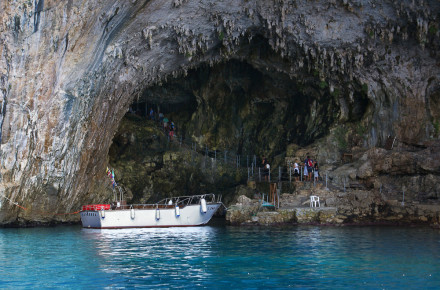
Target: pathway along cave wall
(70,71)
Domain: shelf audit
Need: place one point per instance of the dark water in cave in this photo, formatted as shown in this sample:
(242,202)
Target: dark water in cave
(218,256)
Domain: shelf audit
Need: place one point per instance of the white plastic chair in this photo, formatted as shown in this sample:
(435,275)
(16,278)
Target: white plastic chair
(314,200)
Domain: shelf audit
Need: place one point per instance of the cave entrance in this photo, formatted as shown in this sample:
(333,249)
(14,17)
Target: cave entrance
(232,106)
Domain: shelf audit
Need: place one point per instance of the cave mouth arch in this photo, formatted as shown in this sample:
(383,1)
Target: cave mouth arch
(232,106)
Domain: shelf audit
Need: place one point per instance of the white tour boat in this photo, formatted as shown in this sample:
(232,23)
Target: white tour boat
(183,211)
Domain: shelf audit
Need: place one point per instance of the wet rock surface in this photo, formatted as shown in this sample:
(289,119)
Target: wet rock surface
(346,73)
(355,207)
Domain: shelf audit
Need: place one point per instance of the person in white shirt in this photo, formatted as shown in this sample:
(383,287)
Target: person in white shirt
(296,171)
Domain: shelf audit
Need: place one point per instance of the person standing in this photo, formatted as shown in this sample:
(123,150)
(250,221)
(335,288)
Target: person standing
(171,131)
(267,173)
(306,173)
(308,166)
(266,166)
(264,161)
(165,124)
(296,171)
(316,171)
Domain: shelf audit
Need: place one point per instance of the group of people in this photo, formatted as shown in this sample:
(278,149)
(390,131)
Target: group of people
(168,127)
(310,167)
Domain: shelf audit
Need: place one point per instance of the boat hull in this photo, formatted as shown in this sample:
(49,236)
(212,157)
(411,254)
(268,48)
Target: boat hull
(190,215)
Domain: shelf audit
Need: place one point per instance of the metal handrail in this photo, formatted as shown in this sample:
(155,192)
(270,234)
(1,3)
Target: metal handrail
(181,201)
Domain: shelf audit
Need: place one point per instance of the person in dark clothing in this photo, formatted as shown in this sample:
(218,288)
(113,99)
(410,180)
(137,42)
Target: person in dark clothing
(309,164)
(172,131)
(266,168)
(264,161)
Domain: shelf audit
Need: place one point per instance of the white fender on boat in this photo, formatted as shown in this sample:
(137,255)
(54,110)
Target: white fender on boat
(203,205)
(102,212)
(132,213)
(177,211)
(157,214)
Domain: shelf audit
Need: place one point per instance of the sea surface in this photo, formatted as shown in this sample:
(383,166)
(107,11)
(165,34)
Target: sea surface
(221,257)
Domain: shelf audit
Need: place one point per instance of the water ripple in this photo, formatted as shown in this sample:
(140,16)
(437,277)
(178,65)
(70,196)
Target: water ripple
(219,257)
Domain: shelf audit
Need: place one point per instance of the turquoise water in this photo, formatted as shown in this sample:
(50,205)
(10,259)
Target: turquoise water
(306,257)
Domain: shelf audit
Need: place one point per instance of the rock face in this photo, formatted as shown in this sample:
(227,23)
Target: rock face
(69,70)
(358,207)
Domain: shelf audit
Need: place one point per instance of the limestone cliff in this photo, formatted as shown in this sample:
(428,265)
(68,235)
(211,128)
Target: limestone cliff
(69,70)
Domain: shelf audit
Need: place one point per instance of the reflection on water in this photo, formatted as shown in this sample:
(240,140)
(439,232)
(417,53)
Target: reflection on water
(141,252)
(221,257)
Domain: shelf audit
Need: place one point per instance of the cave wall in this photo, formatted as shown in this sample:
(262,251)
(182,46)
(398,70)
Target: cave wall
(69,70)
(233,106)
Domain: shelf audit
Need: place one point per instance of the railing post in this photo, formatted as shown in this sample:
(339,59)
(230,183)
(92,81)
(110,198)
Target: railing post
(314,179)
(269,174)
(248,174)
(290,174)
(403,197)
(301,173)
(278,196)
(215,155)
(279,173)
(259,174)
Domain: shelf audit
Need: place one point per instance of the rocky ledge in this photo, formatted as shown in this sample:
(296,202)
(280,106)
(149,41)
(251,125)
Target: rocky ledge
(353,207)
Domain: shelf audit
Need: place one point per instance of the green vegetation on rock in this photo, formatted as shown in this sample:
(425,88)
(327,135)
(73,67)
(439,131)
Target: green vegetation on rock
(436,128)
(340,138)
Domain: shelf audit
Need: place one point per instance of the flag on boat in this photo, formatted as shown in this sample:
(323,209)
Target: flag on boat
(111,175)
(113,178)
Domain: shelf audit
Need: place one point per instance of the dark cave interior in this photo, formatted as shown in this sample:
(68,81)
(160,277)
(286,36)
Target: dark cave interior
(243,106)
(230,107)
(236,106)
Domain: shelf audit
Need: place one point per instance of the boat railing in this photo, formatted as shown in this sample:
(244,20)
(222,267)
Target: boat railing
(180,201)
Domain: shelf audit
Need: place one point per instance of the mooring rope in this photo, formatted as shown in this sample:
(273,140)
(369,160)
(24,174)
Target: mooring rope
(45,213)
(13,202)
